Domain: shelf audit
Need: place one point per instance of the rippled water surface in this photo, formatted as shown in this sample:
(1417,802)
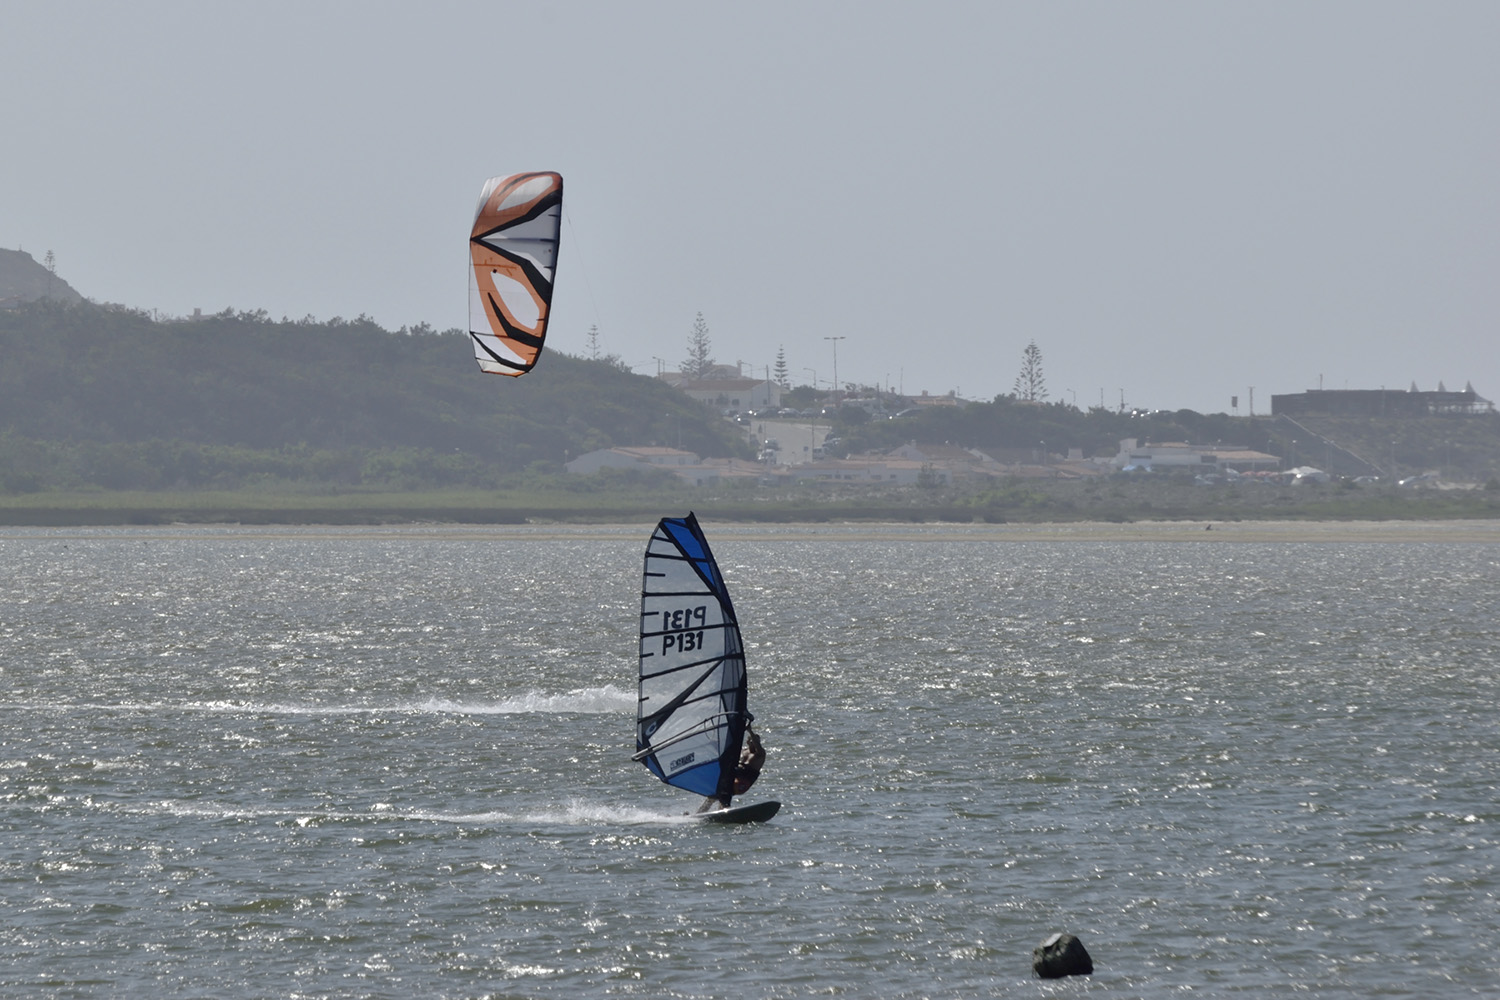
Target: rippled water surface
(396,763)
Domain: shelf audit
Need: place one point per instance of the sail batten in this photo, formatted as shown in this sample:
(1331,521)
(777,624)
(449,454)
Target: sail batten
(692,713)
(652,675)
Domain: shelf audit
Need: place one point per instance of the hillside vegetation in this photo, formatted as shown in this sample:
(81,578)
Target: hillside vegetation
(1460,448)
(1007,428)
(109,398)
(108,415)
(23,279)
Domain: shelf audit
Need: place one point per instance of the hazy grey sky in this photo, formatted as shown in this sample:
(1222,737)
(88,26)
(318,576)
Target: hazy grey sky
(1175,200)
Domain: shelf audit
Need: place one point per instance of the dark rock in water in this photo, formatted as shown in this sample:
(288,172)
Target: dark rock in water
(1061,955)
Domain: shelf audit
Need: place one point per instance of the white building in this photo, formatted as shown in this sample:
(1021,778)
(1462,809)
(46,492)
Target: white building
(737,394)
(1196,458)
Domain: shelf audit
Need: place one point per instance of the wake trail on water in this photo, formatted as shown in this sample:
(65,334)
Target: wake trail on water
(573,813)
(581,701)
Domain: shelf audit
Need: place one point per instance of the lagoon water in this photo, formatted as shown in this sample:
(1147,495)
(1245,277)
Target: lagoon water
(395,762)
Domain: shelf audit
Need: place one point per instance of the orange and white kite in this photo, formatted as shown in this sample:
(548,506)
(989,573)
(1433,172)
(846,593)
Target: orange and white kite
(513,250)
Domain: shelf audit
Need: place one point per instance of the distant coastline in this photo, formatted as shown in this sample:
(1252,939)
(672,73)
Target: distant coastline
(1214,513)
(1486,532)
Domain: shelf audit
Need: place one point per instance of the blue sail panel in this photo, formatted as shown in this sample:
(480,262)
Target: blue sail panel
(694,546)
(702,780)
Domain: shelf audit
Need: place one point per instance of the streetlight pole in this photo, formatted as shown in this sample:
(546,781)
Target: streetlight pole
(812,430)
(836,365)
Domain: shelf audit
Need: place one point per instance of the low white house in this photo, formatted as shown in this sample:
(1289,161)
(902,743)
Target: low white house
(1198,458)
(738,394)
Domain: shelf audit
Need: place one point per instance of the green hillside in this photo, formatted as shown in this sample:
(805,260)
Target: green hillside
(101,397)
(110,416)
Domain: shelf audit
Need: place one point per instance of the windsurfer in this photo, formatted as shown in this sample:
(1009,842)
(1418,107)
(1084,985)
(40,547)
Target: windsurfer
(752,759)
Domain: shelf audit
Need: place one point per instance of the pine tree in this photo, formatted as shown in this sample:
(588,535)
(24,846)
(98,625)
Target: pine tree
(1030,385)
(783,379)
(594,342)
(700,359)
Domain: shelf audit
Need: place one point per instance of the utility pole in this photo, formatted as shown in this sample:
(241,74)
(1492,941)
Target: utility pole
(836,365)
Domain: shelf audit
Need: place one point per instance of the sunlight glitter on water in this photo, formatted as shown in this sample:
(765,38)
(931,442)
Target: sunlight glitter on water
(389,761)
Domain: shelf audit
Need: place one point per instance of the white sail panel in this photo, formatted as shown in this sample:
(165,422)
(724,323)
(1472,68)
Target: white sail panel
(525,192)
(516,296)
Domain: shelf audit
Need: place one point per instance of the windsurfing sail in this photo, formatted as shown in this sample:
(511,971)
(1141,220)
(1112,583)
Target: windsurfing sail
(513,252)
(692,715)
